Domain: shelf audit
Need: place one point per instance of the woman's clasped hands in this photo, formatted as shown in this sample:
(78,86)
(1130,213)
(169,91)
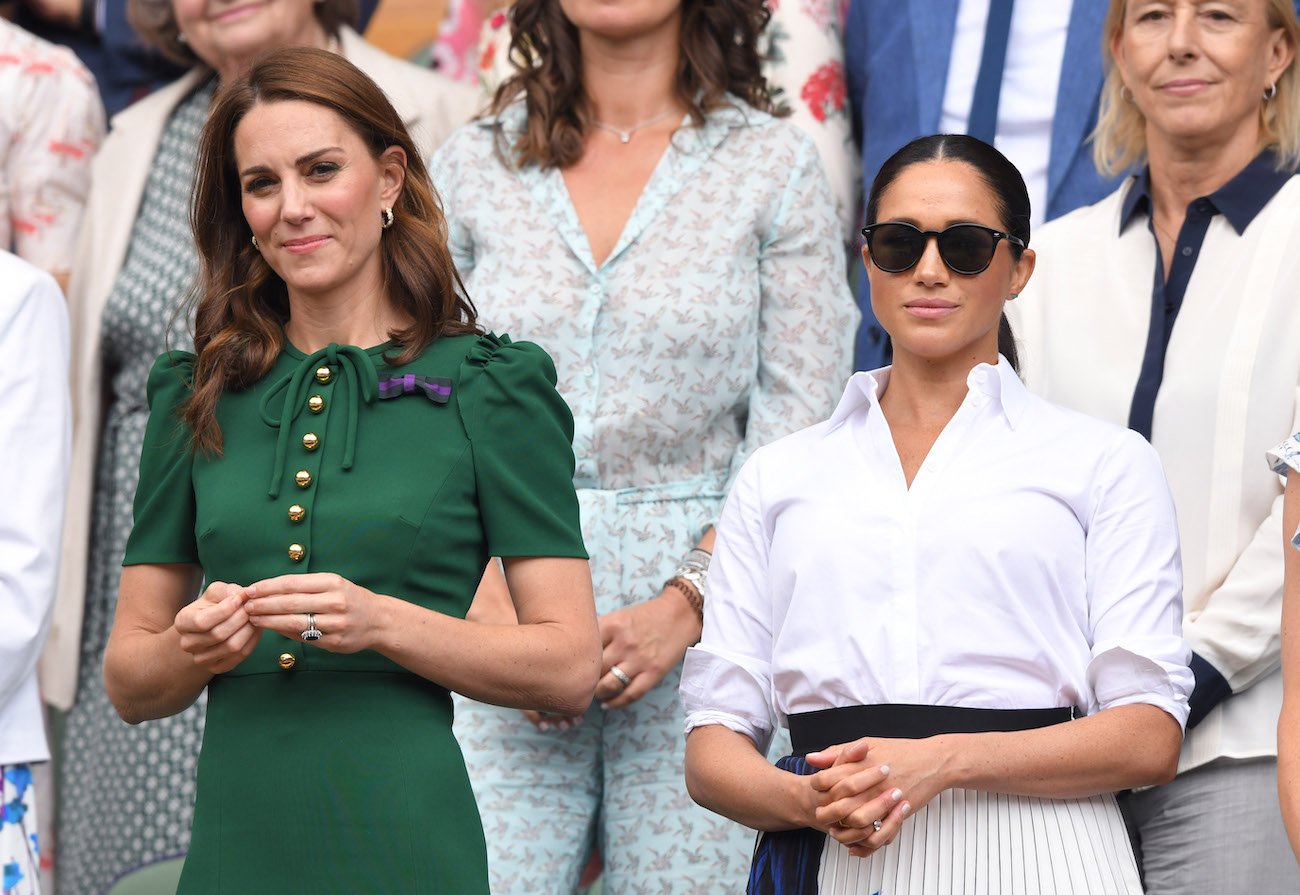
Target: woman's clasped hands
(223,626)
(870,781)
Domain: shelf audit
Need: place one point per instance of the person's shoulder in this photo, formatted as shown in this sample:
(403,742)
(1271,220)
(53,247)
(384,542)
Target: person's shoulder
(756,124)
(1074,433)
(38,57)
(1092,218)
(27,290)
(782,459)
(21,277)
(152,110)
(470,142)
(467,355)
(416,85)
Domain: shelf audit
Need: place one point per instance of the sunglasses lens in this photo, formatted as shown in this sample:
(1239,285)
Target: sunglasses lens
(896,247)
(966,249)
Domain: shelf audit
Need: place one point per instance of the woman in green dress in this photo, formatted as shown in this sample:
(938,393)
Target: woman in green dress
(338,460)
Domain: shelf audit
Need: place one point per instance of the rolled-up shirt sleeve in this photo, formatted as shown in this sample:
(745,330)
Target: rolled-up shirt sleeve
(727,676)
(1134,585)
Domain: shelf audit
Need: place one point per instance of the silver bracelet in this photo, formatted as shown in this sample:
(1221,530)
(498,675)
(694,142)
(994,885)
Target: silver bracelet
(694,569)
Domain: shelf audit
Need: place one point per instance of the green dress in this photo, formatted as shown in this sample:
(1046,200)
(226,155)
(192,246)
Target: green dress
(323,772)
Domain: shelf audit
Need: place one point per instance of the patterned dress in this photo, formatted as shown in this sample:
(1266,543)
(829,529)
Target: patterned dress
(1283,459)
(721,320)
(20,854)
(127,792)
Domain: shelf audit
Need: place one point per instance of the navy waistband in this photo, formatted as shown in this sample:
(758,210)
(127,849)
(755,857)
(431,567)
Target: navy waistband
(814,731)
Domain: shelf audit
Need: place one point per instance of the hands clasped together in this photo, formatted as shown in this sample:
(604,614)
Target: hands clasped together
(867,788)
(222,627)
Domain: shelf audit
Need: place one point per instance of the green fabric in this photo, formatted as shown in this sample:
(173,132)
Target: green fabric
(342,775)
(156,879)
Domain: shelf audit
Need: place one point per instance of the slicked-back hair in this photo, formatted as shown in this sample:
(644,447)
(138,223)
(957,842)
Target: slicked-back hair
(1010,196)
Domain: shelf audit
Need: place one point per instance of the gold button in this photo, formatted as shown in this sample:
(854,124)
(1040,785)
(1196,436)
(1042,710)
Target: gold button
(322,375)
(315,403)
(287,661)
(296,552)
(302,477)
(297,512)
(310,441)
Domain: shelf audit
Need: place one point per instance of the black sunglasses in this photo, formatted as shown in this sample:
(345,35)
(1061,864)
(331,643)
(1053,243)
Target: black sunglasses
(966,248)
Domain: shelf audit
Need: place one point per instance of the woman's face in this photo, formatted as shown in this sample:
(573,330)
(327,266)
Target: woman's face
(1198,69)
(229,34)
(622,19)
(929,311)
(313,196)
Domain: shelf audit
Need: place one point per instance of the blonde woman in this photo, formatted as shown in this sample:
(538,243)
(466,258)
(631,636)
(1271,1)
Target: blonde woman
(1170,307)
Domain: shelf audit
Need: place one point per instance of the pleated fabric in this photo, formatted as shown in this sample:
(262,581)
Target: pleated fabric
(979,843)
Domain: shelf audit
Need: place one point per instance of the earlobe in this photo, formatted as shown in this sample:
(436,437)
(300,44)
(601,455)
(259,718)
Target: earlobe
(1024,270)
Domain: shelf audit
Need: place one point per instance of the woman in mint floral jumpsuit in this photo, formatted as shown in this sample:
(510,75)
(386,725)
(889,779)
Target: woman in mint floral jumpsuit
(712,318)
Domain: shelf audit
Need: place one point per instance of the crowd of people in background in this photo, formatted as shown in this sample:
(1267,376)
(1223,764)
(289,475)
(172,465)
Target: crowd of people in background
(451,474)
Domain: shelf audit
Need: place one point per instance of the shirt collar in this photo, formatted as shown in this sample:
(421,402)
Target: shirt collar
(1239,200)
(1001,383)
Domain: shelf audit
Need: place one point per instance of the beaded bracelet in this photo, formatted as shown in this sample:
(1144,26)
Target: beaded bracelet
(690,593)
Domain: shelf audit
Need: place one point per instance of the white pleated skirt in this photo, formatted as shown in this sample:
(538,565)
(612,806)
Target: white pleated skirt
(979,843)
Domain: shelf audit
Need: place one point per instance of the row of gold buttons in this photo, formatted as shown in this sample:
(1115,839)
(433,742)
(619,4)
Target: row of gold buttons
(302,478)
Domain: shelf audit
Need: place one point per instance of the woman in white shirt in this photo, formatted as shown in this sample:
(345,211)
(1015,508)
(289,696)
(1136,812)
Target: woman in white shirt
(1170,307)
(929,586)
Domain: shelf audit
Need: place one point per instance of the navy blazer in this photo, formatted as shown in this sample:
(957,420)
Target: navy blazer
(896,55)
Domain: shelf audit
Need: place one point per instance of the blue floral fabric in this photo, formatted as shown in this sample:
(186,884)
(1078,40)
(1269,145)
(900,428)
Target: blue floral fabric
(20,856)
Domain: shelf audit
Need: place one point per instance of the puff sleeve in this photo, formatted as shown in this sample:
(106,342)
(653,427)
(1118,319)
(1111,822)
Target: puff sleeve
(521,441)
(164,500)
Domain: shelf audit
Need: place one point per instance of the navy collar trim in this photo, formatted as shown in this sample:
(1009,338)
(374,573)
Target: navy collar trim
(1239,200)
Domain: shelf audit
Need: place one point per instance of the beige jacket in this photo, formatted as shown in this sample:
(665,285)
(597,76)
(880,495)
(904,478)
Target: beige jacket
(431,105)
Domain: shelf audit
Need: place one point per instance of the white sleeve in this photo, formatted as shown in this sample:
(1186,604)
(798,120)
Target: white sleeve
(35,433)
(727,678)
(1134,574)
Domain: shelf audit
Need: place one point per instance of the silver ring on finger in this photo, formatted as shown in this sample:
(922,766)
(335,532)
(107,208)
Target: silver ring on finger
(877,824)
(312,633)
(621,675)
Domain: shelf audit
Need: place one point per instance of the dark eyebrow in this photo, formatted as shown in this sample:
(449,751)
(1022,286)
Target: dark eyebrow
(951,222)
(298,162)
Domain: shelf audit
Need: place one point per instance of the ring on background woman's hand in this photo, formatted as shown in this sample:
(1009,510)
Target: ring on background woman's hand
(621,675)
(877,824)
(312,632)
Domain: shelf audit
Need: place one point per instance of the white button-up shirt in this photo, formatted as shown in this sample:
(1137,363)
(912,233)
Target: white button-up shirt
(35,429)
(1033,563)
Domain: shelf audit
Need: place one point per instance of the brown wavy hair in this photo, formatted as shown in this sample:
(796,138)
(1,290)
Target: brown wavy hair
(720,54)
(155,22)
(242,304)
